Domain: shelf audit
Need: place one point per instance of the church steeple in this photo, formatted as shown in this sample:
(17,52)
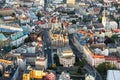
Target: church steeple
(104,19)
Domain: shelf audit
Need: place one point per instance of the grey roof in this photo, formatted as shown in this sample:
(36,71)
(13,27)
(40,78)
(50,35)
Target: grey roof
(29,55)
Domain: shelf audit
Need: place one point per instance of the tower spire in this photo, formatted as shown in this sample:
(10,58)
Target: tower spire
(104,19)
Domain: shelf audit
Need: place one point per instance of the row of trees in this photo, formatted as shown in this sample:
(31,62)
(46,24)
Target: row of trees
(102,68)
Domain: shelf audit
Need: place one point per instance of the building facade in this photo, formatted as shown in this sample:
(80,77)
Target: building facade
(66,56)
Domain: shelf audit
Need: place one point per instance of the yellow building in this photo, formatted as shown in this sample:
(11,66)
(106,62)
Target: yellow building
(58,40)
(70,1)
(33,74)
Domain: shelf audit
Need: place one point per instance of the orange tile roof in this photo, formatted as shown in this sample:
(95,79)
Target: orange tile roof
(116,30)
(94,55)
(85,33)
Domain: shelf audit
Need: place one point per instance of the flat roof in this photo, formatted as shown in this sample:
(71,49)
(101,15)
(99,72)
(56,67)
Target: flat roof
(113,75)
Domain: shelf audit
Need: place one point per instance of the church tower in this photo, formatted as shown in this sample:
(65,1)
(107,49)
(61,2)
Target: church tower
(104,19)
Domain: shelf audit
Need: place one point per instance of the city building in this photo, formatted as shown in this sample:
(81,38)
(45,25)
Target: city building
(7,19)
(33,74)
(39,2)
(11,72)
(95,51)
(57,36)
(6,11)
(50,76)
(24,19)
(10,28)
(71,2)
(3,41)
(41,63)
(113,75)
(96,56)
(17,38)
(30,58)
(66,56)
(64,76)
(59,40)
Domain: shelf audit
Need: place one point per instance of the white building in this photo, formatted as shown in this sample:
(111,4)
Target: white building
(66,56)
(41,63)
(113,75)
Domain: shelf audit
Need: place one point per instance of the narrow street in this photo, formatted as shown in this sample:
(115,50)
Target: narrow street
(47,50)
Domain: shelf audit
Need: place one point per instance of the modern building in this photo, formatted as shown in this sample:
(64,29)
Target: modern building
(66,56)
(113,75)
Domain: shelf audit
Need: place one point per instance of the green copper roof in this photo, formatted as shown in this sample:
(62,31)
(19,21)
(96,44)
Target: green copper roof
(2,37)
(17,35)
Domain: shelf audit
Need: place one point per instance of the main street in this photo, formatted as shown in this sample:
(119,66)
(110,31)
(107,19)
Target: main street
(46,44)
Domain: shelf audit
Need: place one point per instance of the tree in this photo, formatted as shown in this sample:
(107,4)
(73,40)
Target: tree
(73,21)
(82,63)
(0,72)
(56,60)
(39,15)
(54,66)
(100,19)
(79,70)
(14,47)
(27,40)
(85,20)
(102,68)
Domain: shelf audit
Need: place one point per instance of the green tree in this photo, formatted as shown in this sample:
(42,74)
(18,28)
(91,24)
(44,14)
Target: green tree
(82,63)
(79,70)
(27,40)
(100,19)
(102,68)
(14,47)
(56,60)
(39,15)
(0,73)
(73,21)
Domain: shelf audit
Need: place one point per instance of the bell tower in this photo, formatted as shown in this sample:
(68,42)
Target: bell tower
(104,19)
